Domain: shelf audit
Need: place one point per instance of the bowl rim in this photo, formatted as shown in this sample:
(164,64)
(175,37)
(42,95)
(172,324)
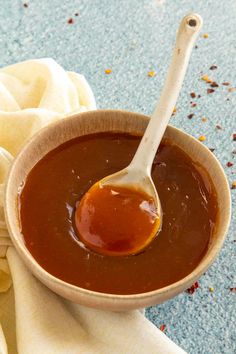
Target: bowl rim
(40,272)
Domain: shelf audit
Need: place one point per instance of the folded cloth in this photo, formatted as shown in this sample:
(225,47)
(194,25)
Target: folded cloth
(34,320)
(33,94)
(47,323)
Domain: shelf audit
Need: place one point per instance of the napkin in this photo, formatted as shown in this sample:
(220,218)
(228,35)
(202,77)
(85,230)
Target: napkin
(34,320)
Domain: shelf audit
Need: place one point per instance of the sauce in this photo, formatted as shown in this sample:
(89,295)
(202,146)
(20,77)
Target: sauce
(116,220)
(62,177)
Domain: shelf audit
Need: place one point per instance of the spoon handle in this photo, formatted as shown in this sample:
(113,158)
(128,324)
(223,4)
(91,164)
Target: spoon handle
(187,33)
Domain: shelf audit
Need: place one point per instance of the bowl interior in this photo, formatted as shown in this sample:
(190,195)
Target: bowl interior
(101,121)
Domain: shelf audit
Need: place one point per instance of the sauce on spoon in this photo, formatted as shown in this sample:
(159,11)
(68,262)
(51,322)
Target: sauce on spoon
(116,220)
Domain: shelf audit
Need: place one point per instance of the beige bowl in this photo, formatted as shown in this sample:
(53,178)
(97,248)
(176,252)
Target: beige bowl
(101,121)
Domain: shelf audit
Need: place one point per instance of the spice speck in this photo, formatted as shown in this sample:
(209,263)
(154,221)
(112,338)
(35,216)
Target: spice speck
(151,73)
(229,164)
(214,84)
(202,138)
(70,21)
(204,119)
(108,71)
(233,185)
(211,289)
(26,5)
(234,136)
(162,327)
(210,91)
(205,78)
(213,67)
(190,116)
(233,290)
(205,35)
(218,126)
(193,94)
(192,289)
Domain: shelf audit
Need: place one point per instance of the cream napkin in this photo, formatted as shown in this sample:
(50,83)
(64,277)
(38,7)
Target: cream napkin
(34,320)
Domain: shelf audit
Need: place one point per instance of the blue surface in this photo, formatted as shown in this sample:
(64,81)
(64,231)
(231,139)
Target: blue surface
(133,37)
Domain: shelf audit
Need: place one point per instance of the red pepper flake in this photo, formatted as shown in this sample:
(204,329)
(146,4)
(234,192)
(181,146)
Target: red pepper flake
(225,83)
(193,104)
(218,126)
(193,94)
(229,164)
(214,84)
(70,21)
(233,185)
(233,290)
(26,5)
(234,136)
(190,116)
(193,288)
(162,327)
(210,91)
(213,67)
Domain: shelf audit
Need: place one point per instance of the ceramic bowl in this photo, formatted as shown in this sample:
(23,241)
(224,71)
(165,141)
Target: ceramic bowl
(76,125)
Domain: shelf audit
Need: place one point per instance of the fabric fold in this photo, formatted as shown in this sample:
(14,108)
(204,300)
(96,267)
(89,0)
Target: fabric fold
(47,323)
(3,344)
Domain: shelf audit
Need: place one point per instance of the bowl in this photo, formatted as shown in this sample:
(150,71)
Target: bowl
(80,124)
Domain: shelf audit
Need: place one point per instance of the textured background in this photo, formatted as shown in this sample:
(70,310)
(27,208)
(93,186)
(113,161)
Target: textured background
(132,37)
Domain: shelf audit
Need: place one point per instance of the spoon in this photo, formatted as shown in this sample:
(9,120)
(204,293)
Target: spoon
(134,183)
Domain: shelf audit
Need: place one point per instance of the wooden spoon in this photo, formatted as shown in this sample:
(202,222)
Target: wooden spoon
(137,176)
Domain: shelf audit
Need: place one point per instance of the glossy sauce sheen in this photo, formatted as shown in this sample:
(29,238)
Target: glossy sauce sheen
(61,178)
(115,220)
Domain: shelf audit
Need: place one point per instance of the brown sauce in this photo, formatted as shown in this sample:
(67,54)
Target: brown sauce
(62,177)
(116,220)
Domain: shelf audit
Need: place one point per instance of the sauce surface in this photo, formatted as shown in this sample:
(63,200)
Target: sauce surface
(62,177)
(115,220)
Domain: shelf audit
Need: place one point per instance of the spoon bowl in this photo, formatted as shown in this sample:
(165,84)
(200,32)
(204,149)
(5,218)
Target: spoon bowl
(105,214)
